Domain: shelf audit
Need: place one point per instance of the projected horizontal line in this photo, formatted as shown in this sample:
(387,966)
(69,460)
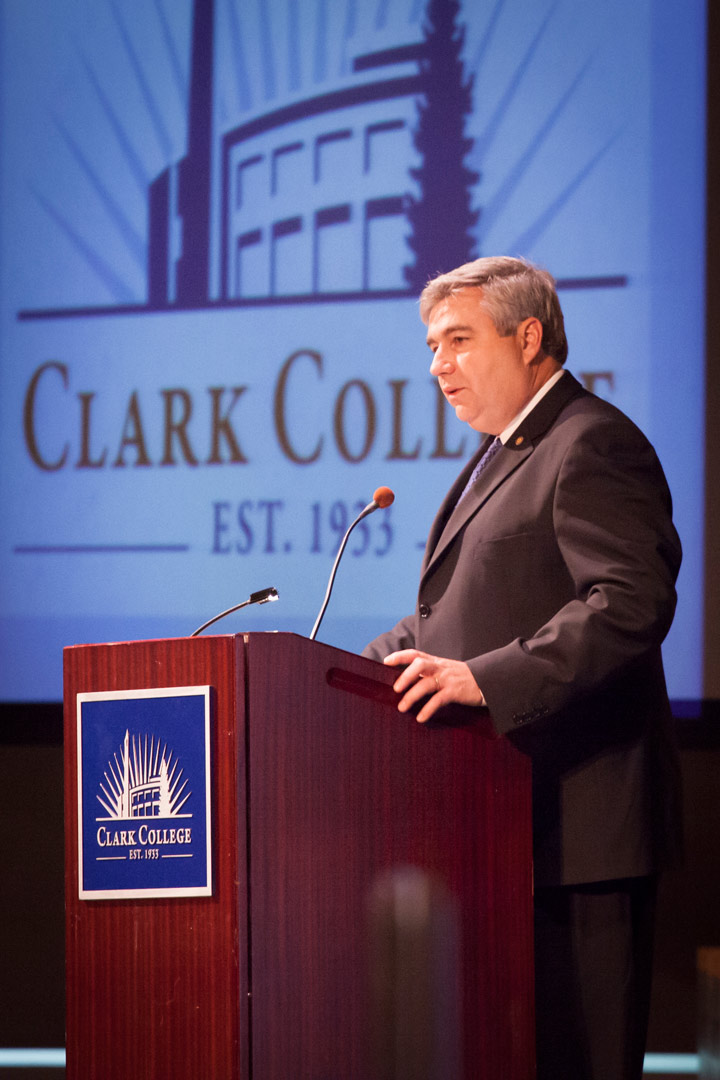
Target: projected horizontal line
(99,549)
(613,281)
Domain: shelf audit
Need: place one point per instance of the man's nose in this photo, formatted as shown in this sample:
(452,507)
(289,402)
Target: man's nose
(440,362)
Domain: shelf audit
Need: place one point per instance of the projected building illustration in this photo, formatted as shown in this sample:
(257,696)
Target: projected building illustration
(314,197)
(144,781)
(362,191)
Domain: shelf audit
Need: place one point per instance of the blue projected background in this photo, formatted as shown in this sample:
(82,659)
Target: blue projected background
(214,221)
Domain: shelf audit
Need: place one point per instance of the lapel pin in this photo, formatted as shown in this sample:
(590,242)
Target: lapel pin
(520,440)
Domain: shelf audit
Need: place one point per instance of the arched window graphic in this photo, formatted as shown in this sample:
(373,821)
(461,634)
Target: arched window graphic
(336,258)
(248,180)
(382,143)
(332,155)
(384,232)
(251,276)
(286,171)
(290,264)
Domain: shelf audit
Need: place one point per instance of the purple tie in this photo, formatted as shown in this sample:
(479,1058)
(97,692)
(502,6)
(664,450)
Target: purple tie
(484,461)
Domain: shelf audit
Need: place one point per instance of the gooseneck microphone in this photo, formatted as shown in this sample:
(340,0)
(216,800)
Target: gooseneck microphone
(383,497)
(264,596)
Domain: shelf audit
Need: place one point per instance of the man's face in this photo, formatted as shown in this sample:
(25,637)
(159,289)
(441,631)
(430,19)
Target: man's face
(487,379)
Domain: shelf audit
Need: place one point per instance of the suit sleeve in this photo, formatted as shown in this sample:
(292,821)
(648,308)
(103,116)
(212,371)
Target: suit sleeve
(402,636)
(612,522)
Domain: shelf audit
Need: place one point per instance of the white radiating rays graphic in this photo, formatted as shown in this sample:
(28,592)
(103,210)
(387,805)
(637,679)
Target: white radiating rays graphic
(143,779)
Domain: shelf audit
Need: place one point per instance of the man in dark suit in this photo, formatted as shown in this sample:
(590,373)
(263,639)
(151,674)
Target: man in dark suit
(546,590)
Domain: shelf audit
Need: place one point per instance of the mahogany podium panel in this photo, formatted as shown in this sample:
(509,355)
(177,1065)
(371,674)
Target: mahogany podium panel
(328,807)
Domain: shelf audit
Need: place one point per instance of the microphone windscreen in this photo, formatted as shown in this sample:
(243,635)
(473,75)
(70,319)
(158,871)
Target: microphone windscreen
(384,497)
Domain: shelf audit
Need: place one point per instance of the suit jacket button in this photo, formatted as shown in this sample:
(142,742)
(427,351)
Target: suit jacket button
(424,610)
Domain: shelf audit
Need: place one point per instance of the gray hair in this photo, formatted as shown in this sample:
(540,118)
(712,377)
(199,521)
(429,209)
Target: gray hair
(512,290)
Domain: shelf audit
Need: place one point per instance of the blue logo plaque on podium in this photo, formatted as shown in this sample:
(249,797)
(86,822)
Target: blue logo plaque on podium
(144,818)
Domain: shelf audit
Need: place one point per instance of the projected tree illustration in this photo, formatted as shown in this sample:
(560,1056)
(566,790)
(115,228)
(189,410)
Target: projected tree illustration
(441,216)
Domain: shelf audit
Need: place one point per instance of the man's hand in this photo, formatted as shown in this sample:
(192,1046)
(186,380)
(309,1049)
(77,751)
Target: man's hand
(436,678)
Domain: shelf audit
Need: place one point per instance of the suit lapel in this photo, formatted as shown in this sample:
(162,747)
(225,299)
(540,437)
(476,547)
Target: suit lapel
(452,517)
(450,501)
(487,483)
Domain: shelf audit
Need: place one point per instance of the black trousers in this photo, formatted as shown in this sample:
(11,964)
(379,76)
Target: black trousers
(593,972)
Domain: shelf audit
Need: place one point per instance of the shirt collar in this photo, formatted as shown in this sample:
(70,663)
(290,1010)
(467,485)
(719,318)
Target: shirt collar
(514,424)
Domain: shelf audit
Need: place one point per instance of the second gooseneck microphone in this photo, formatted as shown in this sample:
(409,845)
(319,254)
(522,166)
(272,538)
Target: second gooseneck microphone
(264,596)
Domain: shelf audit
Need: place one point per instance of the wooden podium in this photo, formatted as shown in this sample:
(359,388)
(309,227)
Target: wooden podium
(329,811)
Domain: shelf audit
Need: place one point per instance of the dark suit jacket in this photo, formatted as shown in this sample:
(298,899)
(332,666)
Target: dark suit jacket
(554,580)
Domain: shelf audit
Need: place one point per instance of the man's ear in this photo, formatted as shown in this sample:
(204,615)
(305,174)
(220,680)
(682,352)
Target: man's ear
(530,333)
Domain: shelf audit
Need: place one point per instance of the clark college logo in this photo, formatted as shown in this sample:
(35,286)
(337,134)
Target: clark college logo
(144,793)
(145,782)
